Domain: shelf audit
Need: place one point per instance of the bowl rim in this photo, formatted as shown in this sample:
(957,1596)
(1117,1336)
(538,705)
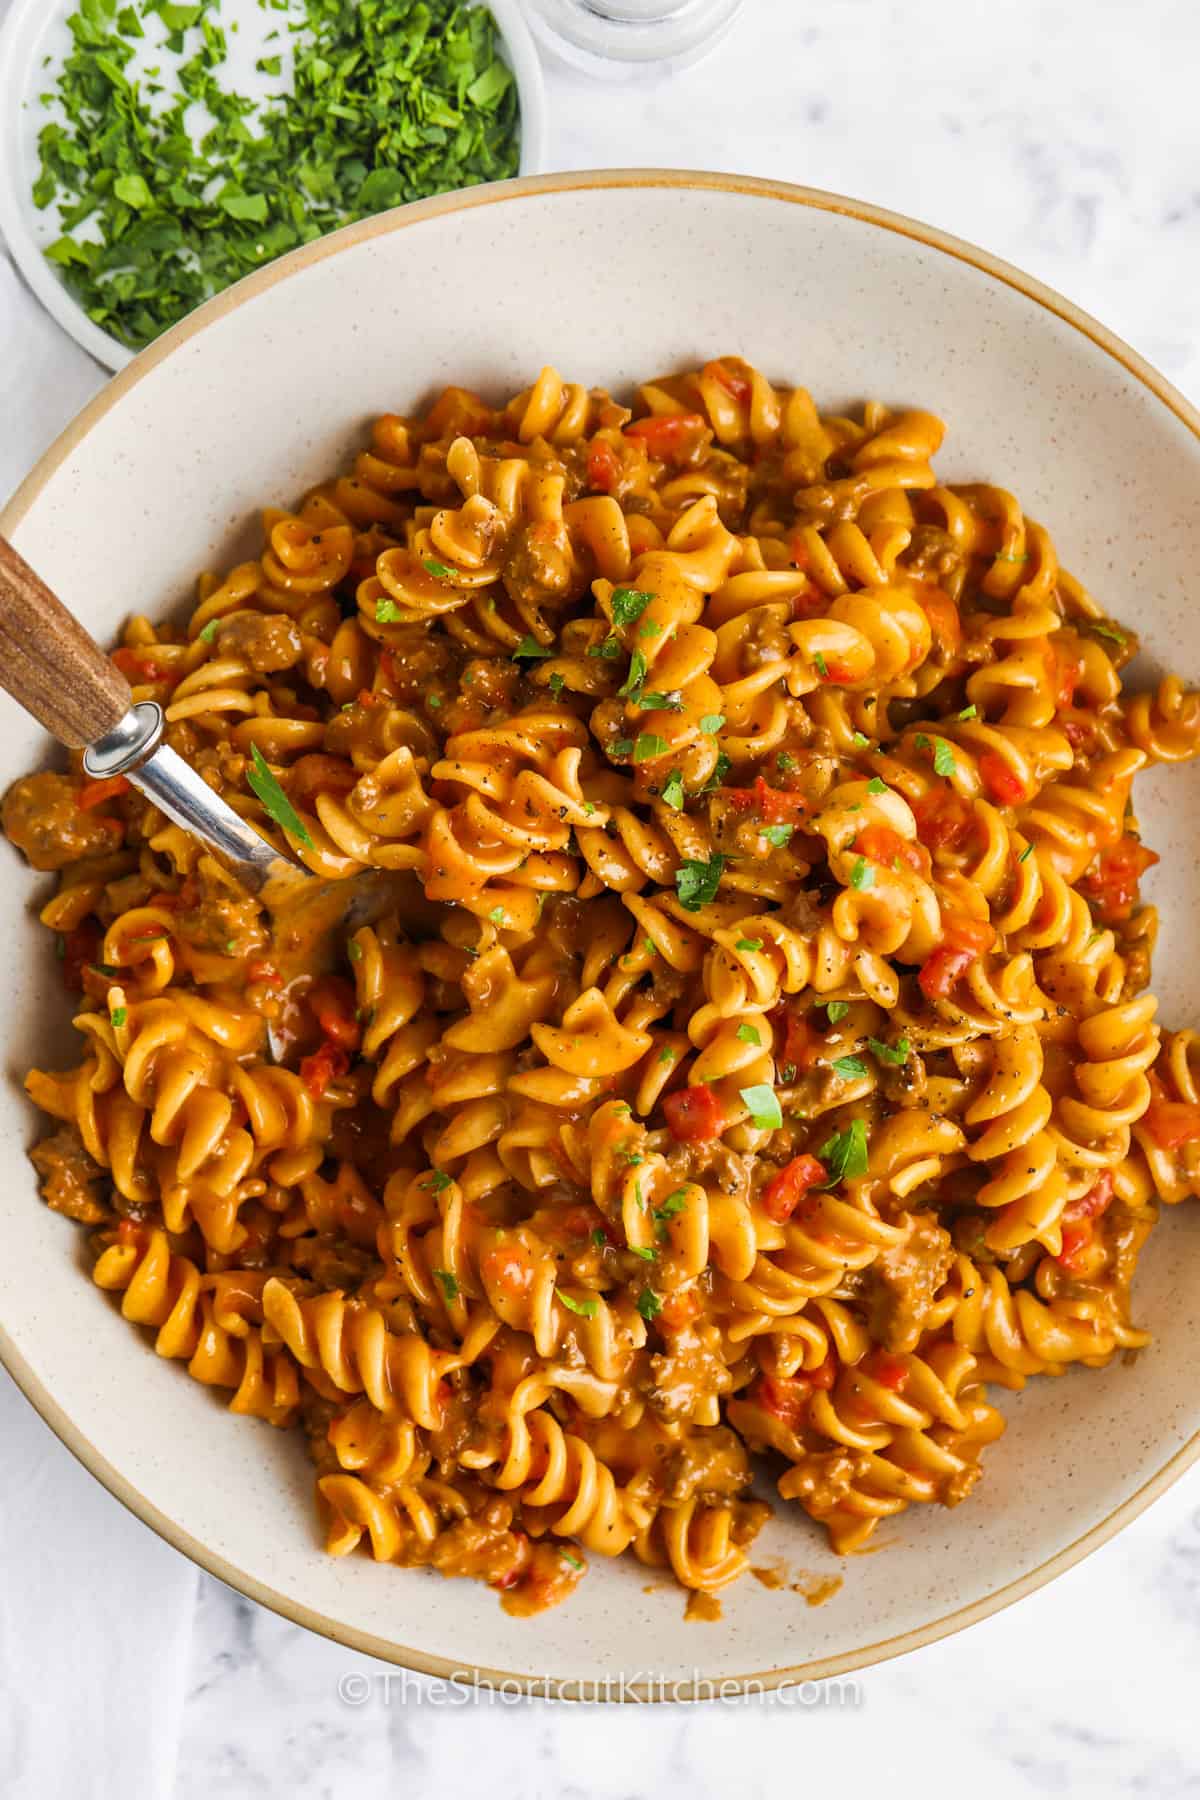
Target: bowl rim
(284,269)
(517,45)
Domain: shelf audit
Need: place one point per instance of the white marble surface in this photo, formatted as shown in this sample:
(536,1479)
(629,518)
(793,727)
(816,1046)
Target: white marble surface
(1064,135)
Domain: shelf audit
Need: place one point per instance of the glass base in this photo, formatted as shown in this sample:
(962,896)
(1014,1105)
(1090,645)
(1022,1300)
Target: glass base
(606,37)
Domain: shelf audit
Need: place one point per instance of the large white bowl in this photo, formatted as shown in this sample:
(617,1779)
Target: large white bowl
(611,277)
(34,34)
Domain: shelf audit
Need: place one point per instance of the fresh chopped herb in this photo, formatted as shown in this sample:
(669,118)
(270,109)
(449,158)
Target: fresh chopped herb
(711,723)
(787,1072)
(822,666)
(621,747)
(649,746)
(921,742)
(629,604)
(668,1055)
(887,1053)
(497,915)
(386,612)
(649,1304)
(671,1207)
(1026,853)
(354,951)
(646,1254)
(438,570)
(210,631)
(529,647)
(845,1154)
(721,769)
(672,702)
(672,792)
(437,1181)
(610,649)
(862,875)
(969,712)
(434,702)
(749,1034)
(448,1284)
(763,1104)
(649,628)
(556,686)
(273,798)
(390,101)
(778,834)
(586,1309)
(943,758)
(861,741)
(632,684)
(696,883)
(589,807)
(876,786)
(649,946)
(1103,630)
(574,1561)
(850,1068)
(118,1016)
(749,944)
(785,763)
(836,1010)
(598,1239)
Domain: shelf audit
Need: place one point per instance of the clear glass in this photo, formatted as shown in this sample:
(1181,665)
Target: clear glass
(604,37)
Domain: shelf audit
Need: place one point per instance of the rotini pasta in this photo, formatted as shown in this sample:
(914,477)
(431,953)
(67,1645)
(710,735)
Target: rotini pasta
(750,1050)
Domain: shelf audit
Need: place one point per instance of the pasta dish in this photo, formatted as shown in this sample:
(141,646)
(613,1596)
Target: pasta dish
(750,1051)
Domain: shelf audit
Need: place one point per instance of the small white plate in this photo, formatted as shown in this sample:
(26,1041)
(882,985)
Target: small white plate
(33,43)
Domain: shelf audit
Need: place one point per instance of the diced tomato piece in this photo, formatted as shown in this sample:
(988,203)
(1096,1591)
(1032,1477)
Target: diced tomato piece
(265,972)
(945,625)
(1171,1123)
(507,1266)
(800,1045)
(734,384)
(944,819)
(1065,673)
(1076,1237)
(603,466)
(129,1232)
(836,673)
(522,1554)
(678,1310)
(881,844)
(325,1065)
(139,665)
(785,1398)
(669,437)
(332,1002)
(964,941)
(1111,884)
(784,1192)
(810,603)
(1004,786)
(95,793)
(825,1374)
(1097,1200)
(694,1114)
(799,550)
(888,1370)
(81,947)
(1079,1220)
(772,805)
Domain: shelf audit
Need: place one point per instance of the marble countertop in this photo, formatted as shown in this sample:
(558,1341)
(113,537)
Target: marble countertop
(1063,135)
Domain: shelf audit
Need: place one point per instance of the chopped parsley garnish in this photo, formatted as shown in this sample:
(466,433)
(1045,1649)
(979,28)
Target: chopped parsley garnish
(598,1239)
(887,1053)
(210,631)
(556,686)
(497,915)
(845,1154)
(696,883)
(672,792)
(649,628)
(778,834)
(637,674)
(646,1254)
(672,702)
(785,763)
(1103,630)
(354,951)
(671,1207)
(118,1016)
(621,747)
(610,649)
(876,786)
(850,1068)
(448,1284)
(438,570)
(749,1034)
(386,612)
(437,1182)
(711,723)
(649,746)
(649,1304)
(273,798)
(389,102)
(822,666)
(764,1108)
(1026,853)
(836,1010)
(586,1309)
(921,742)
(943,757)
(529,647)
(668,1055)
(969,712)
(629,604)
(861,741)
(574,1561)
(862,875)
(721,769)
(749,944)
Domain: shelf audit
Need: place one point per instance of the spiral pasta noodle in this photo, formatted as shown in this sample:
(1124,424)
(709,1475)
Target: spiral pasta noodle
(748,1049)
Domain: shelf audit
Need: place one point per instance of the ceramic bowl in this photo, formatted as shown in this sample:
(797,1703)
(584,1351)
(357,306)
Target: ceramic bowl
(612,278)
(36,30)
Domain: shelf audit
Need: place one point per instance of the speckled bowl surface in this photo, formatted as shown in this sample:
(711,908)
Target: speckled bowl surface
(610,277)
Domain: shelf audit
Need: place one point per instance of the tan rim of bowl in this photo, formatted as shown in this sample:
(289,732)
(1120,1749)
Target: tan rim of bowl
(292,264)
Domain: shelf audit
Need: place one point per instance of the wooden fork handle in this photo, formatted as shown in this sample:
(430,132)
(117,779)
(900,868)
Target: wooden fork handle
(49,663)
